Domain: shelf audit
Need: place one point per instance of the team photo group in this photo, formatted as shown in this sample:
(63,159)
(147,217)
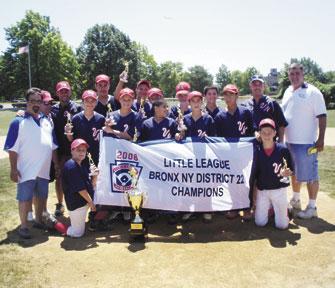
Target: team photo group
(193,159)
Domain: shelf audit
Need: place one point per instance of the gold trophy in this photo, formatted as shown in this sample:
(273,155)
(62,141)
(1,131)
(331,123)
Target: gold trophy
(136,199)
(135,135)
(180,120)
(93,168)
(109,115)
(124,74)
(68,123)
(285,179)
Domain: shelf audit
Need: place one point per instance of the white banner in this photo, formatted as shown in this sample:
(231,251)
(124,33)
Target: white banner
(187,176)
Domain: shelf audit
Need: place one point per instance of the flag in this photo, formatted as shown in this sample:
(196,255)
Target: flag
(24,49)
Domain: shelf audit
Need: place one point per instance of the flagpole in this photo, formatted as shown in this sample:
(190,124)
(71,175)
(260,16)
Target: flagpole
(29,72)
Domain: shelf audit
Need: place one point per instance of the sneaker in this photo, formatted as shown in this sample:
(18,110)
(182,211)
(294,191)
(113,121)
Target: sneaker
(248,215)
(114,215)
(172,219)
(295,204)
(308,213)
(40,226)
(92,225)
(59,209)
(46,214)
(207,217)
(30,216)
(232,215)
(126,216)
(24,233)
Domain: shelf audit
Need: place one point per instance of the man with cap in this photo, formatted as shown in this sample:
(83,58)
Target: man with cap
(305,110)
(198,124)
(272,164)
(263,106)
(102,85)
(78,185)
(31,145)
(61,113)
(182,90)
(87,125)
(211,94)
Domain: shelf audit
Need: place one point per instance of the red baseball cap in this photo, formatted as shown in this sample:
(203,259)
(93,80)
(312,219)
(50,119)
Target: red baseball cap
(102,78)
(76,143)
(125,92)
(145,82)
(183,88)
(230,88)
(267,122)
(194,94)
(46,96)
(63,85)
(89,94)
(155,91)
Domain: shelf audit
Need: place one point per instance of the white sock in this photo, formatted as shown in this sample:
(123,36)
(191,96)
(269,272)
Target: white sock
(312,203)
(296,195)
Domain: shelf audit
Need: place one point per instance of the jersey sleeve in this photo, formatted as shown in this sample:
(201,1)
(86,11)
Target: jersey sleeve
(11,143)
(319,103)
(279,115)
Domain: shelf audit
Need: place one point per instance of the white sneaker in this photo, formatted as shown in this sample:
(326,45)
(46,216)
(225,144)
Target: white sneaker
(295,204)
(207,217)
(45,214)
(30,216)
(308,213)
(186,216)
(114,215)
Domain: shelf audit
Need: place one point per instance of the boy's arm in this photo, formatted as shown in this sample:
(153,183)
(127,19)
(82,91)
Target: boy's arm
(87,197)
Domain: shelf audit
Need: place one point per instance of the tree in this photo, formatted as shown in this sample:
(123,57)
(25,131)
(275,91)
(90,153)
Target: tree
(51,58)
(104,50)
(223,77)
(245,79)
(170,74)
(198,77)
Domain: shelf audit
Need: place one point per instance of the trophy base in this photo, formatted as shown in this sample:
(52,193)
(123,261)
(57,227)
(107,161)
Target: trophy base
(137,229)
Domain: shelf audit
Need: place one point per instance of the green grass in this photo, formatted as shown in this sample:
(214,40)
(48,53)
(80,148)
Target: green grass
(5,118)
(330,118)
(327,170)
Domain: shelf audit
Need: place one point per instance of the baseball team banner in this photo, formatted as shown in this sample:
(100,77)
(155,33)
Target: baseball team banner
(194,175)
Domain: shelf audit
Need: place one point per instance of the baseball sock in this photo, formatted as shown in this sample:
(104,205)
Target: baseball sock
(312,203)
(296,195)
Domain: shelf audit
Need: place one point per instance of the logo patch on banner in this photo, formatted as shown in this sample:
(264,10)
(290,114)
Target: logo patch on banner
(120,178)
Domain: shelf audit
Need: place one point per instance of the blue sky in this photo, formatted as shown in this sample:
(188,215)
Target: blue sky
(239,34)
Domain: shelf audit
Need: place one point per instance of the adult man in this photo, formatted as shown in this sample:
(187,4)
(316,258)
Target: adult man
(263,106)
(61,113)
(30,143)
(305,110)
(102,85)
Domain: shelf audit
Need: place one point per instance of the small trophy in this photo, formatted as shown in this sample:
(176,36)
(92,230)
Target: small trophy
(68,123)
(126,66)
(180,120)
(109,115)
(135,135)
(136,198)
(141,110)
(93,168)
(312,150)
(285,179)
(124,74)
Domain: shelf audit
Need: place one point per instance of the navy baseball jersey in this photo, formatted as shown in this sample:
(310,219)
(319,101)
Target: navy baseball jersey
(102,109)
(266,108)
(148,109)
(214,112)
(59,117)
(266,168)
(75,178)
(89,131)
(125,123)
(237,125)
(151,130)
(174,112)
(205,124)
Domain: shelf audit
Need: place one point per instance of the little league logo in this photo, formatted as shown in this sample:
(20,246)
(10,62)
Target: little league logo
(120,178)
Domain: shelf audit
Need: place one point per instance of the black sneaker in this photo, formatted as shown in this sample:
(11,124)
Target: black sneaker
(24,233)
(40,226)
(92,225)
(59,209)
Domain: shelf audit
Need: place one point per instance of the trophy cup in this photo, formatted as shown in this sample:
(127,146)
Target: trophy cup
(135,135)
(136,198)
(93,168)
(285,179)
(180,120)
(109,115)
(68,123)
(124,74)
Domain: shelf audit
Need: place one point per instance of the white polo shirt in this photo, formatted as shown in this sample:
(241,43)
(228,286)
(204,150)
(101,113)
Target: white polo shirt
(33,140)
(301,109)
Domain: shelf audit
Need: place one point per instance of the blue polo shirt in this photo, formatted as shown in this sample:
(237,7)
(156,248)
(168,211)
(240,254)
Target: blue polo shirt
(124,123)
(59,118)
(89,131)
(174,111)
(265,108)
(214,112)
(266,169)
(75,178)
(239,124)
(102,109)
(195,128)
(151,130)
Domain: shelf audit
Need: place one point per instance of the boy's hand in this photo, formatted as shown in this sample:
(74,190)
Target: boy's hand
(285,172)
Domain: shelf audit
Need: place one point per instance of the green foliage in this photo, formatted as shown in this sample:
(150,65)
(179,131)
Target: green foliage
(169,75)
(103,51)
(223,77)
(198,77)
(51,58)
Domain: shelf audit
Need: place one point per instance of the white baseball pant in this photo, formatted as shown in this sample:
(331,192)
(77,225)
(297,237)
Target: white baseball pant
(78,219)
